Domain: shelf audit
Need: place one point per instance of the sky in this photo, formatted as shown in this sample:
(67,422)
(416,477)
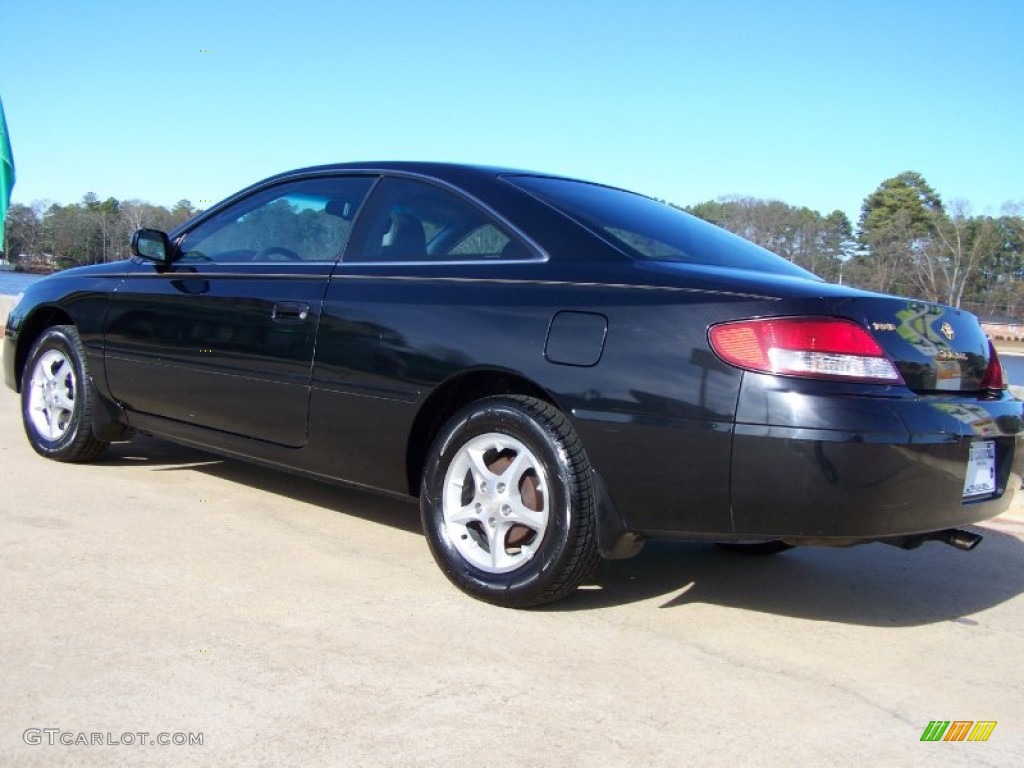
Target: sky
(814,102)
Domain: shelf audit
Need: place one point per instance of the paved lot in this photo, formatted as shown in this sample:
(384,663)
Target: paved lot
(292,623)
(6,302)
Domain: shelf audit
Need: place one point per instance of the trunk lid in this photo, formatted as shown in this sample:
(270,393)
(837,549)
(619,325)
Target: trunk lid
(936,348)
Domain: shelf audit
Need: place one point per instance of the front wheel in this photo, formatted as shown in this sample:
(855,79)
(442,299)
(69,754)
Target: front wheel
(507,504)
(57,399)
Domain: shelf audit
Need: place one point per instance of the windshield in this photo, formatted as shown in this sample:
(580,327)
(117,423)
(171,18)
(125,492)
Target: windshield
(646,229)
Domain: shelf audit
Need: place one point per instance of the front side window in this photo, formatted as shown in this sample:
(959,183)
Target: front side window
(412,221)
(646,229)
(304,221)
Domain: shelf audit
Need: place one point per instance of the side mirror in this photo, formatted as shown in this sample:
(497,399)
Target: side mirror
(152,245)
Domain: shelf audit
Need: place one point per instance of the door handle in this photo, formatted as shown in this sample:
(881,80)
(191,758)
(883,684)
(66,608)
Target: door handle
(290,312)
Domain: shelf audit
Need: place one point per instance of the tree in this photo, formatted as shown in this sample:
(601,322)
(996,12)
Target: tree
(895,227)
(24,230)
(89,232)
(67,234)
(106,217)
(801,235)
(906,194)
(836,245)
(182,212)
(964,245)
(997,285)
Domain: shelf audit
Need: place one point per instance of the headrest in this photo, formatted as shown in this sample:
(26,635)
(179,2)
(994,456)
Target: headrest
(341,208)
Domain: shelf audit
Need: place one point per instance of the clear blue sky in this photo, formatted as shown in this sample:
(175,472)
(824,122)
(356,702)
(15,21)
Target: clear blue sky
(813,102)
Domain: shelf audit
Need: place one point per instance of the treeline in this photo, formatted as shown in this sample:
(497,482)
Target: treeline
(51,236)
(821,244)
(907,242)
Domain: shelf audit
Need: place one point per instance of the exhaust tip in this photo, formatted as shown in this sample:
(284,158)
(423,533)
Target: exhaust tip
(961,539)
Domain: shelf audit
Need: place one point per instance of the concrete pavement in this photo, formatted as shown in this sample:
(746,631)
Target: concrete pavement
(6,302)
(283,621)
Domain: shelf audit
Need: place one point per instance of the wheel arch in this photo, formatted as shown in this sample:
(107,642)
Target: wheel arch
(451,396)
(31,329)
(615,539)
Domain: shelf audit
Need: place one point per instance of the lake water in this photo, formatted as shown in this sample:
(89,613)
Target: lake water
(13,283)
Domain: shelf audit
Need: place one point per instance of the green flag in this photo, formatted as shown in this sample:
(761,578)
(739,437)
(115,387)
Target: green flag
(6,172)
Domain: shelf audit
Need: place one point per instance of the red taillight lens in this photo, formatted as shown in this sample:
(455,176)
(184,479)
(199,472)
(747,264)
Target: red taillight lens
(814,347)
(993,378)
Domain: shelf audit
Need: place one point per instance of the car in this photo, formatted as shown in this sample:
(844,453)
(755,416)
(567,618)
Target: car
(557,370)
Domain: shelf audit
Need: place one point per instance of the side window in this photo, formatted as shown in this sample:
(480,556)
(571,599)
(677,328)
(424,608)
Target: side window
(409,220)
(486,240)
(307,220)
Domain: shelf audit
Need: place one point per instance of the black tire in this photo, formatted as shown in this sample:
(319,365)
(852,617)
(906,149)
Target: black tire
(771,547)
(57,398)
(546,526)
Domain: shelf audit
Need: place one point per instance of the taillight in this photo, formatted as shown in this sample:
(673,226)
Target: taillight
(813,347)
(993,378)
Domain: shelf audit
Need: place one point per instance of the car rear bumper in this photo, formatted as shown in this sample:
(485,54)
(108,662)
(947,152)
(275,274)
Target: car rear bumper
(893,467)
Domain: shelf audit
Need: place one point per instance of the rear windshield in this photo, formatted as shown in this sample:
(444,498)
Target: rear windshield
(646,229)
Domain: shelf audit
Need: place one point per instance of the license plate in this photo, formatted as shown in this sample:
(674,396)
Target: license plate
(981,470)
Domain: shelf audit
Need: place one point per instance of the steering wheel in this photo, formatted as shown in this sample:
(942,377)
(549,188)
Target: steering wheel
(285,254)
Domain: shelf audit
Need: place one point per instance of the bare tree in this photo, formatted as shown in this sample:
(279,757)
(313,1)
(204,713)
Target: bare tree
(965,243)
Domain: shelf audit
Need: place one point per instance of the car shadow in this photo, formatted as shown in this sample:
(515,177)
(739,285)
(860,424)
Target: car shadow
(871,585)
(142,449)
(165,456)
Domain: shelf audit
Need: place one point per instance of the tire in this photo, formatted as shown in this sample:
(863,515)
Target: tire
(507,504)
(770,547)
(57,398)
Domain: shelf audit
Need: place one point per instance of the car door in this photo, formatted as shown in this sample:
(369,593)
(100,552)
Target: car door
(224,337)
(403,313)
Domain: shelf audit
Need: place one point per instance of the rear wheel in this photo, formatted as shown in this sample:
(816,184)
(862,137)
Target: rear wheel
(507,504)
(57,398)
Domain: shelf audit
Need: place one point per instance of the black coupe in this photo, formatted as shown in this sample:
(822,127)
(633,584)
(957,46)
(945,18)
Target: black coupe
(557,369)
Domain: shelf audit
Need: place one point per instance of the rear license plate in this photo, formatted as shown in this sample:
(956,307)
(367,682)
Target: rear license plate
(981,470)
